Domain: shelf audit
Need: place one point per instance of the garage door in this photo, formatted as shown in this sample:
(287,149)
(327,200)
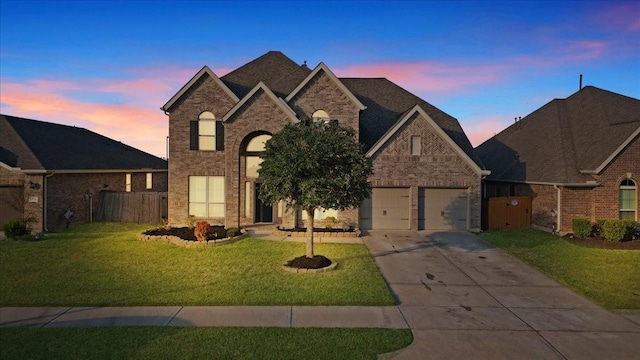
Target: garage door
(442,209)
(388,208)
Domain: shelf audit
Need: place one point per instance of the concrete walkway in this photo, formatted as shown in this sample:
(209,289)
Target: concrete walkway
(462,298)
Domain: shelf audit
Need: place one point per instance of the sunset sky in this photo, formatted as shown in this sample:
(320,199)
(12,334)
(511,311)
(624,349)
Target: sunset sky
(109,66)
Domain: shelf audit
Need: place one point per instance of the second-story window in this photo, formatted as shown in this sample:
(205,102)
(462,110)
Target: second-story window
(207,133)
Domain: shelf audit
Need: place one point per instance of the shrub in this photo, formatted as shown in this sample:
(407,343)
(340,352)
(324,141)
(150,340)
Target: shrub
(330,221)
(14,229)
(630,227)
(231,232)
(201,230)
(614,230)
(581,227)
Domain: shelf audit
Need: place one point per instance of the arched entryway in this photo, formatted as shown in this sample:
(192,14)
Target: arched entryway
(255,211)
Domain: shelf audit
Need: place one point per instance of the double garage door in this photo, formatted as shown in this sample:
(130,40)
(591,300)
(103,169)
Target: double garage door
(438,209)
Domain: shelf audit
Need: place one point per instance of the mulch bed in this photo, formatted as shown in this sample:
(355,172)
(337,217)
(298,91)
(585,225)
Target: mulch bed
(303,262)
(600,242)
(186,233)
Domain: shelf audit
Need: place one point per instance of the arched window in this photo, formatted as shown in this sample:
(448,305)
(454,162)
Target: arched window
(320,116)
(628,199)
(252,152)
(207,131)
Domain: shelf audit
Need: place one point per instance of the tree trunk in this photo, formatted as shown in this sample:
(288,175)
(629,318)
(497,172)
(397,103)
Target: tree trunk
(309,247)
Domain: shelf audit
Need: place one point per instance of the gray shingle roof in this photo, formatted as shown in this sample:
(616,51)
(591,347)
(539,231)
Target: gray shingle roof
(52,146)
(385,101)
(554,143)
(275,69)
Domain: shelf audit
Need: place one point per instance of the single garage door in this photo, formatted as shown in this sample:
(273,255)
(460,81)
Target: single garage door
(388,208)
(442,209)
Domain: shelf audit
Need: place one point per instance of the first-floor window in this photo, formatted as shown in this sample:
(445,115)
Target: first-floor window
(149,181)
(127,182)
(321,214)
(206,196)
(628,199)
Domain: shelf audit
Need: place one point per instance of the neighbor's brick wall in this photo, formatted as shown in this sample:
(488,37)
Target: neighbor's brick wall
(438,166)
(601,202)
(322,93)
(607,196)
(204,95)
(69,191)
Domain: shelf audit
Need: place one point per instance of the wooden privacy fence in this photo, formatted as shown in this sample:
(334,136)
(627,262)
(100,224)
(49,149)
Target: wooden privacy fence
(132,207)
(509,212)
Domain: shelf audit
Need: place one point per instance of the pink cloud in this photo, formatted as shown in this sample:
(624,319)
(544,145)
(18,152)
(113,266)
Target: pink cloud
(479,130)
(137,121)
(619,16)
(428,76)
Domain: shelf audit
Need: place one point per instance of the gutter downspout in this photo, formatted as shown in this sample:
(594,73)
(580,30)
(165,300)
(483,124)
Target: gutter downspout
(44,202)
(559,207)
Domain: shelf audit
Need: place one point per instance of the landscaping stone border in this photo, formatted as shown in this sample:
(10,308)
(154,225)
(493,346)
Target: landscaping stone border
(307,271)
(344,234)
(171,239)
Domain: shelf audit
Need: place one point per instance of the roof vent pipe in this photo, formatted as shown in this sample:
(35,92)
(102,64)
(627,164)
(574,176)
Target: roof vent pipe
(580,82)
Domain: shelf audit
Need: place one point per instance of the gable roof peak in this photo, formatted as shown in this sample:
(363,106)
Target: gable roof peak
(324,68)
(277,100)
(204,71)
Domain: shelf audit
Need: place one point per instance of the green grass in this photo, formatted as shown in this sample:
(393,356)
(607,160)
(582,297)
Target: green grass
(611,278)
(104,265)
(199,343)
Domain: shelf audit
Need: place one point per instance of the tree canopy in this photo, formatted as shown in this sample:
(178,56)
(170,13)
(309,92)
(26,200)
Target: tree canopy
(315,165)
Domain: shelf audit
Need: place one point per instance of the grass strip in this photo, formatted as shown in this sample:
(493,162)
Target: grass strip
(611,278)
(104,265)
(159,343)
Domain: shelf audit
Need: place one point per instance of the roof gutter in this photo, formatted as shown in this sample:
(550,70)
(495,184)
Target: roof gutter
(588,184)
(45,195)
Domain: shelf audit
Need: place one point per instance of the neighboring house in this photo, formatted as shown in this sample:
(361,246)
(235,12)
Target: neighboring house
(426,174)
(577,157)
(47,169)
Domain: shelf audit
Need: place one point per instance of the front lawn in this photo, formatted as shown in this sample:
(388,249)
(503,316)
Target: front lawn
(199,343)
(611,278)
(104,265)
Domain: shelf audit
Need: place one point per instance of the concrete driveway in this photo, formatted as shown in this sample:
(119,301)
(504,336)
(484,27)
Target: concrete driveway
(465,299)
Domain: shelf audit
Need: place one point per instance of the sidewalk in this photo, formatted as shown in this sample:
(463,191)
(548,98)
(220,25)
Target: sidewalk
(234,316)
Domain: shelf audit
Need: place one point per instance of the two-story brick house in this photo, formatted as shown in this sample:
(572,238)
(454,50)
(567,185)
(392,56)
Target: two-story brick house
(426,174)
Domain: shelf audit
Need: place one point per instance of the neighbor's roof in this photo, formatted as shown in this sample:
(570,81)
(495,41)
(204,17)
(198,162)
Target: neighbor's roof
(565,139)
(385,101)
(38,145)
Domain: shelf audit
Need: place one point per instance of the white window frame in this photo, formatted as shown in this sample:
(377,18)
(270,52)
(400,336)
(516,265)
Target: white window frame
(321,214)
(207,131)
(209,198)
(127,182)
(149,181)
(633,188)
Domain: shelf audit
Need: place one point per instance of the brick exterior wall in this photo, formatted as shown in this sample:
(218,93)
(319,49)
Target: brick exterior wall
(601,202)
(204,95)
(322,93)
(606,197)
(438,166)
(69,191)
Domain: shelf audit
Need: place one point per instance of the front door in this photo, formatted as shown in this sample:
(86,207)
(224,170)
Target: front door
(263,212)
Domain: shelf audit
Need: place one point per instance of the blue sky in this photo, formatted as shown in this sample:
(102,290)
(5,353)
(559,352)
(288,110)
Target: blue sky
(110,65)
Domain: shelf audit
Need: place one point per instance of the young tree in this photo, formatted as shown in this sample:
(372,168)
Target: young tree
(315,165)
